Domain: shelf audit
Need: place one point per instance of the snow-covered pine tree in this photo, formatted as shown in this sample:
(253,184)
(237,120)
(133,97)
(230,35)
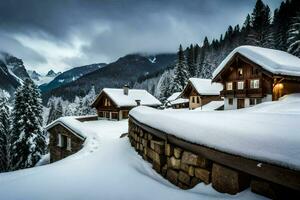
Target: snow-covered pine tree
(87,101)
(180,74)
(191,61)
(5,134)
(28,139)
(261,32)
(294,36)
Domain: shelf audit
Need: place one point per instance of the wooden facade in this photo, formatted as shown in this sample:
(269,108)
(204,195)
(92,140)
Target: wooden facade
(107,108)
(195,98)
(63,142)
(247,83)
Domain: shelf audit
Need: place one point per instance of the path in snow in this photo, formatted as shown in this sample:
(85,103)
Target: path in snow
(106,168)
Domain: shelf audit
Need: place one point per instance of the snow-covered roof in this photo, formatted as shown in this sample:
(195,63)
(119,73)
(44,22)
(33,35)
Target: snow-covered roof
(179,101)
(174,96)
(258,133)
(205,86)
(211,106)
(71,123)
(274,61)
(122,100)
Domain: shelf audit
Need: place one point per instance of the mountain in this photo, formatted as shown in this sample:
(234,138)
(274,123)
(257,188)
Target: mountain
(15,65)
(68,76)
(126,70)
(51,73)
(8,81)
(42,79)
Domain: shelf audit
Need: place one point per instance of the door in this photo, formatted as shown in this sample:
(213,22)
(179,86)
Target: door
(240,103)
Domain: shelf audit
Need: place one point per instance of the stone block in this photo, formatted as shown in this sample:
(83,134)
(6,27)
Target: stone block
(184,167)
(229,180)
(172,176)
(177,152)
(150,136)
(144,142)
(263,188)
(184,178)
(182,186)
(164,170)
(193,159)
(155,157)
(195,181)
(203,175)
(168,149)
(173,163)
(156,167)
(157,146)
(191,171)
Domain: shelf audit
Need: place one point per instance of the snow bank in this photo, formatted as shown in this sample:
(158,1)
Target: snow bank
(275,61)
(269,132)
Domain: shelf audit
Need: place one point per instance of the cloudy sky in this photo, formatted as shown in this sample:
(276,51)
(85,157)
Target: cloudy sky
(60,34)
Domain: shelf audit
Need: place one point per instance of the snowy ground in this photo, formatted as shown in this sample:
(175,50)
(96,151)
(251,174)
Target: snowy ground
(106,168)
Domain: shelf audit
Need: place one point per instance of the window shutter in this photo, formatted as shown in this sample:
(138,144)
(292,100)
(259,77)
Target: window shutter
(69,145)
(59,143)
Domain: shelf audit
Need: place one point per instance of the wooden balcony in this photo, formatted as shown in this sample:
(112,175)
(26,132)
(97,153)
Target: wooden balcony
(227,93)
(243,93)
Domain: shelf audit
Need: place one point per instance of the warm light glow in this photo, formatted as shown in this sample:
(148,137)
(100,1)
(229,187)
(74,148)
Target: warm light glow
(279,86)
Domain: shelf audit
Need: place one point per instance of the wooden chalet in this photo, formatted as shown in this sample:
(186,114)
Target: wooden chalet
(115,104)
(200,92)
(252,75)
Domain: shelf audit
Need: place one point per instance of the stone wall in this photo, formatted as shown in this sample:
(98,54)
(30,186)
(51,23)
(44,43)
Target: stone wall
(186,169)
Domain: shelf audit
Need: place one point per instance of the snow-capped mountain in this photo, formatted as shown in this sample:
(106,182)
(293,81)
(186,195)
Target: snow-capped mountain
(12,73)
(68,76)
(40,79)
(126,70)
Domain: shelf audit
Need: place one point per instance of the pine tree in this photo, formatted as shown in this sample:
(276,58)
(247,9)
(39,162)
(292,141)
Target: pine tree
(5,135)
(191,61)
(261,32)
(28,138)
(180,74)
(294,37)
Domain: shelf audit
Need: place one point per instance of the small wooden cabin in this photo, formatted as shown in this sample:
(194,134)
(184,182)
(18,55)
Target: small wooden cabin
(200,92)
(176,103)
(252,75)
(115,104)
(63,140)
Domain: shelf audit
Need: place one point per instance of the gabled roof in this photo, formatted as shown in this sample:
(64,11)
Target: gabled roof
(71,123)
(211,106)
(122,100)
(275,61)
(204,86)
(174,96)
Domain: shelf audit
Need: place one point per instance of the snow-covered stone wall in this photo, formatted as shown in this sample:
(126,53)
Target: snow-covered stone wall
(185,169)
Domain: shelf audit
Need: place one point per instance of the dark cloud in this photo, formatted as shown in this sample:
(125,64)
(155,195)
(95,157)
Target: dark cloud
(66,33)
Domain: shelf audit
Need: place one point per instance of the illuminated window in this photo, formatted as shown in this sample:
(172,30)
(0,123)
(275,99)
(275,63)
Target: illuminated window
(254,84)
(240,85)
(240,72)
(229,86)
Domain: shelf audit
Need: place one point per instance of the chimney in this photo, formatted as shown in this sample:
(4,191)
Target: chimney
(138,102)
(125,89)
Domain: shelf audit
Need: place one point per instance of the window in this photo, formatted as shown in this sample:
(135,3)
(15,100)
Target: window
(252,102)
(229,86)
(230,101)
(198,100)
(107,102)
(240,85)
(69,144)
(254,84)
(62,141)
(240,72)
